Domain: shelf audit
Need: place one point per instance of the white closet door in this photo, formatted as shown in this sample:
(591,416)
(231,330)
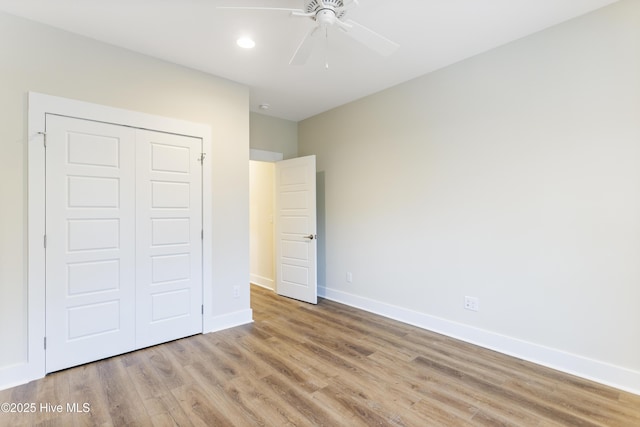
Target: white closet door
(90,226)
(168,244)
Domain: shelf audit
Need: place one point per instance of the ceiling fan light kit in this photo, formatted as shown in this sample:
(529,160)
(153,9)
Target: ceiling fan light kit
(327,14)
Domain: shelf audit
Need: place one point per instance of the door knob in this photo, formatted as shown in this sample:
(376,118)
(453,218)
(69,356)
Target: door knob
(310,237)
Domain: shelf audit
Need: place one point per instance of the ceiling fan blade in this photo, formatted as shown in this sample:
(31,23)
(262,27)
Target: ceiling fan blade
(294,12)
(303,14)
(305,48)
(369,38)
(282,9)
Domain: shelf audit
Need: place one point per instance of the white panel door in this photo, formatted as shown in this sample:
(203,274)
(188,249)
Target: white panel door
(296,240)
(168,246)
(90,237)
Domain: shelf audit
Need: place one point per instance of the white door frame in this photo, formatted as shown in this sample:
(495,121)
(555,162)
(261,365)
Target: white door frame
(39,106)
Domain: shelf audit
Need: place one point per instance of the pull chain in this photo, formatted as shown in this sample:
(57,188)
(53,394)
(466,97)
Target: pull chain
(326,48)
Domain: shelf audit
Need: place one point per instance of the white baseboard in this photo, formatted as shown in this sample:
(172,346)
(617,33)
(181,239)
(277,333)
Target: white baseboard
(604,373)
(227,321)
(18,374)
(261,281)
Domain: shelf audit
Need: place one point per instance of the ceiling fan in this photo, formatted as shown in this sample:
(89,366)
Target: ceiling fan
(328,14)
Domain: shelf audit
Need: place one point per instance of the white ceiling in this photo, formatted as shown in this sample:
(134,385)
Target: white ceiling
(432,34)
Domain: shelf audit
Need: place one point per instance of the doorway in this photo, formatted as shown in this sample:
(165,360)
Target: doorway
(283,227)
(261,214)
(261,225)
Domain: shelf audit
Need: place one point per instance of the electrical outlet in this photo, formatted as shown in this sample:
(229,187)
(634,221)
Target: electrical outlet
(349,277)
(236,291)
(471,303)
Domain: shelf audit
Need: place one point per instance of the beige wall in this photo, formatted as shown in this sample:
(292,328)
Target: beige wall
(261,244)
(41,59)
(274,134)
(513,177)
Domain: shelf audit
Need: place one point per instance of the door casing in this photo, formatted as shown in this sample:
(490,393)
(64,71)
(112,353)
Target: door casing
(39,106)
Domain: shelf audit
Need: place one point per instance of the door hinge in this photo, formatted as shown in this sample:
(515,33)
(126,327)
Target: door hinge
(202,309)
(201,234)
(45,343)
(201,159)
(45,241)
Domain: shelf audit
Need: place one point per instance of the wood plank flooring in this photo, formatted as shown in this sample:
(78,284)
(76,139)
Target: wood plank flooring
(324,365)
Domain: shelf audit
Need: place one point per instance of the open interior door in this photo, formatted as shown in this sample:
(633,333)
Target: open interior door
(296,239)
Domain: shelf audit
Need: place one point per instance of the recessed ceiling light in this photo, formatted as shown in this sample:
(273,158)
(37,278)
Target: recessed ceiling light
(264,106)
(246,43)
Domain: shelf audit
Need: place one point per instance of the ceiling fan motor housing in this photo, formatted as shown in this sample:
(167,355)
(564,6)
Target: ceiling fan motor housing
(326,8)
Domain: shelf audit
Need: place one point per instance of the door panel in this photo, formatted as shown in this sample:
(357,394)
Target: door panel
(90,270)
(168,244)
(296,240)
(124,249)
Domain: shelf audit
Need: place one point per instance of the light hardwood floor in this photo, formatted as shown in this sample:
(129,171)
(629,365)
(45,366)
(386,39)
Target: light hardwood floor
(330,365)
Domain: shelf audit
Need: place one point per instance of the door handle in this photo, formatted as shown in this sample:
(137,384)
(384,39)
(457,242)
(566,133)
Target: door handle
(310,237)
